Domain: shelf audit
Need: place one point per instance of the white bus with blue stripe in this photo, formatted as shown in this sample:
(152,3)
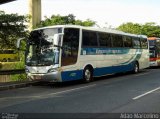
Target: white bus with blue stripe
(69,52)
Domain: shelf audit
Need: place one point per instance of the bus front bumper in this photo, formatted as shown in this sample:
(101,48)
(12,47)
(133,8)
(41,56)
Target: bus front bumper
(153,63)
(49,77)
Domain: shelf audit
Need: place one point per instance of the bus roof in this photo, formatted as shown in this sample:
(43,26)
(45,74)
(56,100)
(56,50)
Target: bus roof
(93,29)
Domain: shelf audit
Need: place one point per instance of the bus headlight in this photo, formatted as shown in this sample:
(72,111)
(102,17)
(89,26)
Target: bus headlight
(52,70)
(26,70)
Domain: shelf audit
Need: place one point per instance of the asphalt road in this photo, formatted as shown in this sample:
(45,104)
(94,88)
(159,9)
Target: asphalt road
(125,93)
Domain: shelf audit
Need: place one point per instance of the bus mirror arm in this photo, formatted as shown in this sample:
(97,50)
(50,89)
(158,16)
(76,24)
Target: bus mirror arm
(19,43)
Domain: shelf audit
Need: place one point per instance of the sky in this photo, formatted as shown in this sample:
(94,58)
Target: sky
(106,13)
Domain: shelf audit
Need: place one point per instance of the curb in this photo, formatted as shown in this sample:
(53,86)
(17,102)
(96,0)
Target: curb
(15,85)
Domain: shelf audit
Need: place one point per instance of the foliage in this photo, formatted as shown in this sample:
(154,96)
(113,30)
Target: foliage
(19,77)
(19,65)
(1,66)
(149,29)
(62,20)
(130,28)
(12,27)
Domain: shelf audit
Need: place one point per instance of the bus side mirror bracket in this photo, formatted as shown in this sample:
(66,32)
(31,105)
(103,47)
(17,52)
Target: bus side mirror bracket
(19,43)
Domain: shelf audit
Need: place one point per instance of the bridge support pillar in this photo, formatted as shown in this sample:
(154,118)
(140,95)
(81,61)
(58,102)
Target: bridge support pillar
(35,12)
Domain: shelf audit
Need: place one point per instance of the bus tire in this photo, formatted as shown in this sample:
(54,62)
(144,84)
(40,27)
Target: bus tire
(136,68)
(88,74)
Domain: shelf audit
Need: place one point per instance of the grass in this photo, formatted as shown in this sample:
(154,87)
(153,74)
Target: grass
(19,77)
(12,66)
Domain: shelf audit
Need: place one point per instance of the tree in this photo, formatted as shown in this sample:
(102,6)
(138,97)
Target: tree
(149,29)
(130,27)
(12,26)
(62,20)
(88,22)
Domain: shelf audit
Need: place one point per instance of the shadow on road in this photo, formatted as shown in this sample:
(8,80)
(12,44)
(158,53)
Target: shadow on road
(156,67)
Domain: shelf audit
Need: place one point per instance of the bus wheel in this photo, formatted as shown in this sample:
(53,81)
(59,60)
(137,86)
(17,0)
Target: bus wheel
(88,74)
(136,67)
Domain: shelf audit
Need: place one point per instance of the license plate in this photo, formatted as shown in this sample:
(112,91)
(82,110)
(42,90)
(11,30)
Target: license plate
(37,77)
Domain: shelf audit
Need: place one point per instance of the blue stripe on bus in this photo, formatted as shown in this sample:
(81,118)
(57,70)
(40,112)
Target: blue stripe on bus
(111,51)
(113,69)
(78,74)
(104,51)
(72,75)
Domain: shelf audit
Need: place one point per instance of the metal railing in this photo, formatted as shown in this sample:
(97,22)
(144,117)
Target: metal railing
(10,72)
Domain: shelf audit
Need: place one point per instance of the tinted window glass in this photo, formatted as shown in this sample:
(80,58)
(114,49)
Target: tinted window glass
(104,39)
(89,38)
(70,46)
(136,42)
(117,40)
(127,41)
(144,43)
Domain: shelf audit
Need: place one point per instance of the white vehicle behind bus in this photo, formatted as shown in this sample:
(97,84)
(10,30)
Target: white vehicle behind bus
(68,52)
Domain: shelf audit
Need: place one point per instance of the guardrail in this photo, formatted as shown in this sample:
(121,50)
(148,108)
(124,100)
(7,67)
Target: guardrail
(10,72)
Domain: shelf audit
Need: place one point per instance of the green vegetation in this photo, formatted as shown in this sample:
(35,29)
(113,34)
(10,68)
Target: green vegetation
(149,29)
(12,27)
(8,65)
(62,20)
(19,77)
(1,66)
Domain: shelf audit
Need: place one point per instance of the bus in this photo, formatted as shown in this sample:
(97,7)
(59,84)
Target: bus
(8,55)
(154,49)
(69,52)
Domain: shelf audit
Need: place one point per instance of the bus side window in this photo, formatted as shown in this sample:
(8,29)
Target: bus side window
(89,38)
(144,43)
(117,40)
(104,39)
(136,43)
(70,46)
(127,42)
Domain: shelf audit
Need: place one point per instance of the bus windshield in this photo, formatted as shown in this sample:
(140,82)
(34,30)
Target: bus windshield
(152,53)
(154,48)
(40,48)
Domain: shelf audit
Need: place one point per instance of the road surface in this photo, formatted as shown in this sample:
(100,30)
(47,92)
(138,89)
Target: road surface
(125,93)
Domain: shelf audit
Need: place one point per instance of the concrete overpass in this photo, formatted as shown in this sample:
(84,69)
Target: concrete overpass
(34,11)
(5,1)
